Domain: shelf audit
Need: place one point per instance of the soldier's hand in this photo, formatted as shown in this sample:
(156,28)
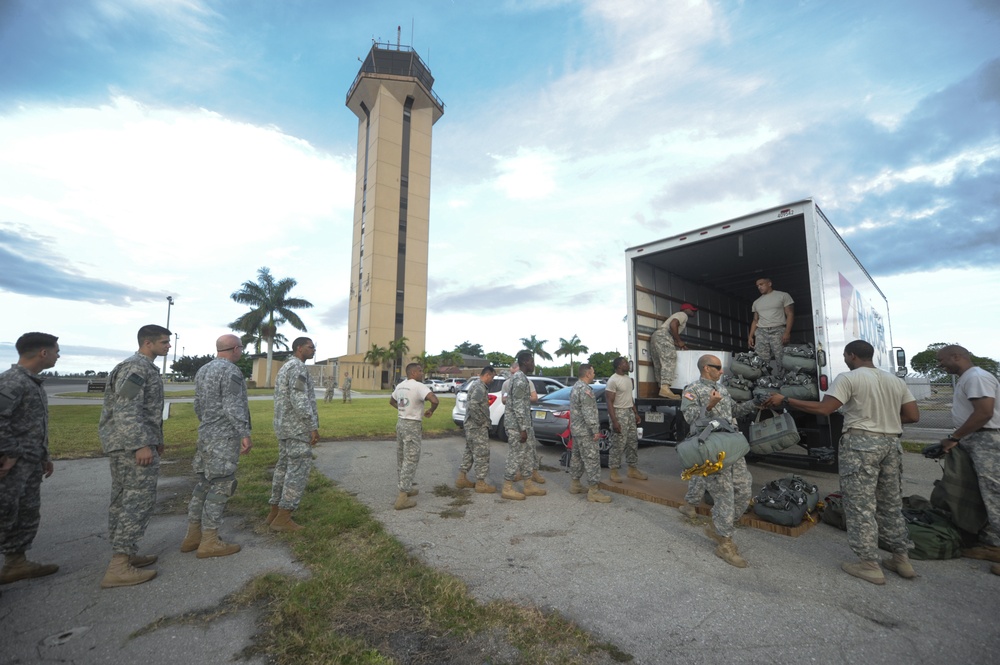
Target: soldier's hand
(750,341)
(948,444)
(314,437)
(597,436)
(617,428)
(6,464)
(524,435)
(638,418)
(47,468)
(144,456)
(714,398)
(159,450)
(245,445)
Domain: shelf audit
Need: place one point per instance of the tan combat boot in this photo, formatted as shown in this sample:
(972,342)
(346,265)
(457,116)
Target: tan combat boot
(689,511)
(531,489)
(713,534)
(665,391)
(868,571)
(575,487)
(510,492)
(595,495)
(272,514)
(139,561)
(211,545)
(985,552)
(634,472)
(537,477)
(463,482)
(900,564)
(483,487)
(615,476)
(413,492)
(17,567)
(193,537)
(403,501)
(517,477)
(727,552)
(121,573)
(283,523)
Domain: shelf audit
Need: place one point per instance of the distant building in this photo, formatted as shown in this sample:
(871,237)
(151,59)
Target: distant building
(396,108)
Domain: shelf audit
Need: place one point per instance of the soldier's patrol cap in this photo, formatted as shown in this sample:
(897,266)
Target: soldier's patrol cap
(689,307)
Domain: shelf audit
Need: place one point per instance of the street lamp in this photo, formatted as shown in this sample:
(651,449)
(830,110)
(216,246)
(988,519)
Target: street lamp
(170,303)
(176,337)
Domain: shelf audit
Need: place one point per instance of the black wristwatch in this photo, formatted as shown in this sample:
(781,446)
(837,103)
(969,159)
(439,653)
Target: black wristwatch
(951,437)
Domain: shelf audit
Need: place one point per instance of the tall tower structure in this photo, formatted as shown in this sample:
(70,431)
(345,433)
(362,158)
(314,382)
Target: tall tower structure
(396,107)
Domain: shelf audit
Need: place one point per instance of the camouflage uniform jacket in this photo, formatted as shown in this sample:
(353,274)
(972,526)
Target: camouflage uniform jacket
(477,412)
(132,416)
(518,408)
(295,414)
(695,398)
(583,408)
(24,416)
(220,402)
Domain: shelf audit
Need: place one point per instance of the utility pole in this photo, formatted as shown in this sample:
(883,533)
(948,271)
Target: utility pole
(170,303)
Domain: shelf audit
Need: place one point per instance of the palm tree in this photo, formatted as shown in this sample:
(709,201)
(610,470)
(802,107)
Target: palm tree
(253,338)
(376,356)
(397,350)
(269,307)
(449,359)
(428,362)
(535,346)
(571,347)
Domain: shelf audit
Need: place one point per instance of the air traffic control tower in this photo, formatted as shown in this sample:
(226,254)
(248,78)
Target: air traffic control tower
(394,100)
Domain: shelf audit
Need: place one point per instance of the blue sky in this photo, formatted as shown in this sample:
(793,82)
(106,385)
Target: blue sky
(153,148)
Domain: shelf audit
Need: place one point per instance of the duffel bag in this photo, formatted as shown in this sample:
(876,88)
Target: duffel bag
(807,392)
(800,350)
(833,511)
(933,535)
(740,394)
(745,371)
(761,394)
(778,504)
(795,363)
(774,434)
(714,444)
(957,492)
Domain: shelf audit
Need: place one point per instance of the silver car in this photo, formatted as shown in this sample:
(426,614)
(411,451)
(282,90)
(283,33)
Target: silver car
(543,386)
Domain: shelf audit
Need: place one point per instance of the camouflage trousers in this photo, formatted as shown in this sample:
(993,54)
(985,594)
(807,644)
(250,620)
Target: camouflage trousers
(627,440)
(477,451)
(347,395)
(291,473)
(585,456)
(133,496)
(871,479)
(209,499)
(521,457)
(663,353)
(696,491)
(328,397)
(768,345)
(984,450)
(20,506)
(409,434)
(731,492)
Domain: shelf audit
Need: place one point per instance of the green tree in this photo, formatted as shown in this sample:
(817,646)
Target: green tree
(269,304)
(245,363)
(470,349)
(449,359)
(602,362)
(376,356)
(255,339)
(396,352)
(926,363)
(571,347)
(189,365)
(428,362)
(498,359)
(535,346)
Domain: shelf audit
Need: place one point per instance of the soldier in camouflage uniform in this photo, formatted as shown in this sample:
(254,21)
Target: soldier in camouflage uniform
(347,388)
(730,487)
(477,434)
(408,399)
(131,431)
(220,402)
(24,454)
(663,346)
(624,416)
(536,459)
(585,426)
(975,414)
(771,328)
(875,404)
(517,421)
(296,425)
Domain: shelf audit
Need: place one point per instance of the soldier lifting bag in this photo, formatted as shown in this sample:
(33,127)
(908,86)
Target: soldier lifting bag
(807,392)
(710,438)
(774,434)
(798,364)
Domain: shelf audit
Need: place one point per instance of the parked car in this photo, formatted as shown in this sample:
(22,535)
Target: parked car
(550,417)
(436,386)
(543,386)
(454,384)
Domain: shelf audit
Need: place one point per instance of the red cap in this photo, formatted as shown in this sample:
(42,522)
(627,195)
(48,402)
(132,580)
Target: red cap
(689,307)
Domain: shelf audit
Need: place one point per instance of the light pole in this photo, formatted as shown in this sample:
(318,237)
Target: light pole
(176,337)
(170,303)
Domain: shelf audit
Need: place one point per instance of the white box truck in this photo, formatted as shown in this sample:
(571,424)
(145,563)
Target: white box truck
(715,268)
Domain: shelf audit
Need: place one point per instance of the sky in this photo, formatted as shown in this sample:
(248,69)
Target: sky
(173,147)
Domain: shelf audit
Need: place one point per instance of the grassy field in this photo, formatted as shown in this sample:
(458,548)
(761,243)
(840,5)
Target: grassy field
(367,600)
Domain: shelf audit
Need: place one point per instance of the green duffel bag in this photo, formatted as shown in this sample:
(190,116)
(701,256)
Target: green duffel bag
(710,439)
(933,534)
(739,394)
(957,492)
(774,434)
(745,371)
(808,391)
(798,364)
